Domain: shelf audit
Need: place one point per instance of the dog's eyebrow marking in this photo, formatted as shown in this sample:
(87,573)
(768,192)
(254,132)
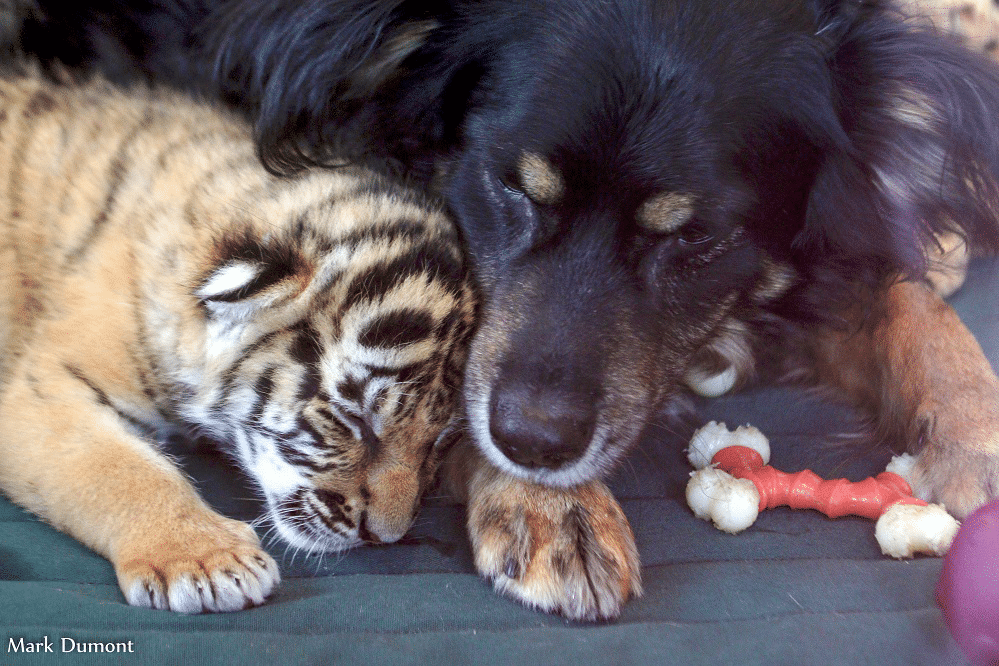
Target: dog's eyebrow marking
(666,212)
(541,181)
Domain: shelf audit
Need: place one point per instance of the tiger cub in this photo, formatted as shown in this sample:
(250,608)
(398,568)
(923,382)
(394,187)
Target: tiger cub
(155,276)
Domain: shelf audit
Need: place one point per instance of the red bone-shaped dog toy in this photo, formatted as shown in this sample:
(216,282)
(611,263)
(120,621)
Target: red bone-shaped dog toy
(733,483)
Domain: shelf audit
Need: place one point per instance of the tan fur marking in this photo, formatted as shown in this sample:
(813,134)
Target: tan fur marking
(389,56)
(726,362)
(777,278)
(948,263)
(666,212)
(540,179)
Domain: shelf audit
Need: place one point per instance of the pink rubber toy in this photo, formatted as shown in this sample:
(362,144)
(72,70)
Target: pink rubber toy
(968,590)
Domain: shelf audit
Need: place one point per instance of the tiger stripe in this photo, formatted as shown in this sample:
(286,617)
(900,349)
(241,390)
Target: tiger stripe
(114,176)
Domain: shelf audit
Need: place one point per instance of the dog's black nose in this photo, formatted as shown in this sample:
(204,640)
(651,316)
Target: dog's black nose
(545,428)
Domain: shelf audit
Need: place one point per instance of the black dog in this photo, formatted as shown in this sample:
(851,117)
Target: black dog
(654,193)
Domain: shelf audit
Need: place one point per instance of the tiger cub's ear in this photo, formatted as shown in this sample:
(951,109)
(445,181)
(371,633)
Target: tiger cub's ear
(249,276)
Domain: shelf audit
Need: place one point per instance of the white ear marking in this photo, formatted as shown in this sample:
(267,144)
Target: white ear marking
(226,281)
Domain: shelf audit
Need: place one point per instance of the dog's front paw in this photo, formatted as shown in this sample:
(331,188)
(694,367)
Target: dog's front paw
(214,565)
(958,465)
(962,480)
(564,550)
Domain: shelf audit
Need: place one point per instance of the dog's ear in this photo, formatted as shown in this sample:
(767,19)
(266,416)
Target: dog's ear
(315,74)
(919,151)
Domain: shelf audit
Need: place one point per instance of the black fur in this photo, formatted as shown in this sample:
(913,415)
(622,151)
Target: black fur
(829,138)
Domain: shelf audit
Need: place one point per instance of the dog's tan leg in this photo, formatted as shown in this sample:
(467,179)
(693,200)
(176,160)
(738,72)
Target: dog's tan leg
(563,550)
(66,455)
(919,369)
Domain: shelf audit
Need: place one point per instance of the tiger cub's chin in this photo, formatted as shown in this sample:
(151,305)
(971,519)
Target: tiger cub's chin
(154,274)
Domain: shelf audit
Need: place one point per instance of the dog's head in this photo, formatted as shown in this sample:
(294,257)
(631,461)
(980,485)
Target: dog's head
(601,287)
(629,193)
(644,176)
(636,179)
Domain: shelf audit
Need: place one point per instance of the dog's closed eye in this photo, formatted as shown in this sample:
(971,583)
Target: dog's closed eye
(694,234)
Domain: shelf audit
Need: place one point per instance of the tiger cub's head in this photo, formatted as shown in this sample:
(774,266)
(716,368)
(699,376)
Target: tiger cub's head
(336,344)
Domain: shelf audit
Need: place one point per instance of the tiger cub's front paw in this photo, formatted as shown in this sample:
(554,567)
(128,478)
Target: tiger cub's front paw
(564,550)
(214,566)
